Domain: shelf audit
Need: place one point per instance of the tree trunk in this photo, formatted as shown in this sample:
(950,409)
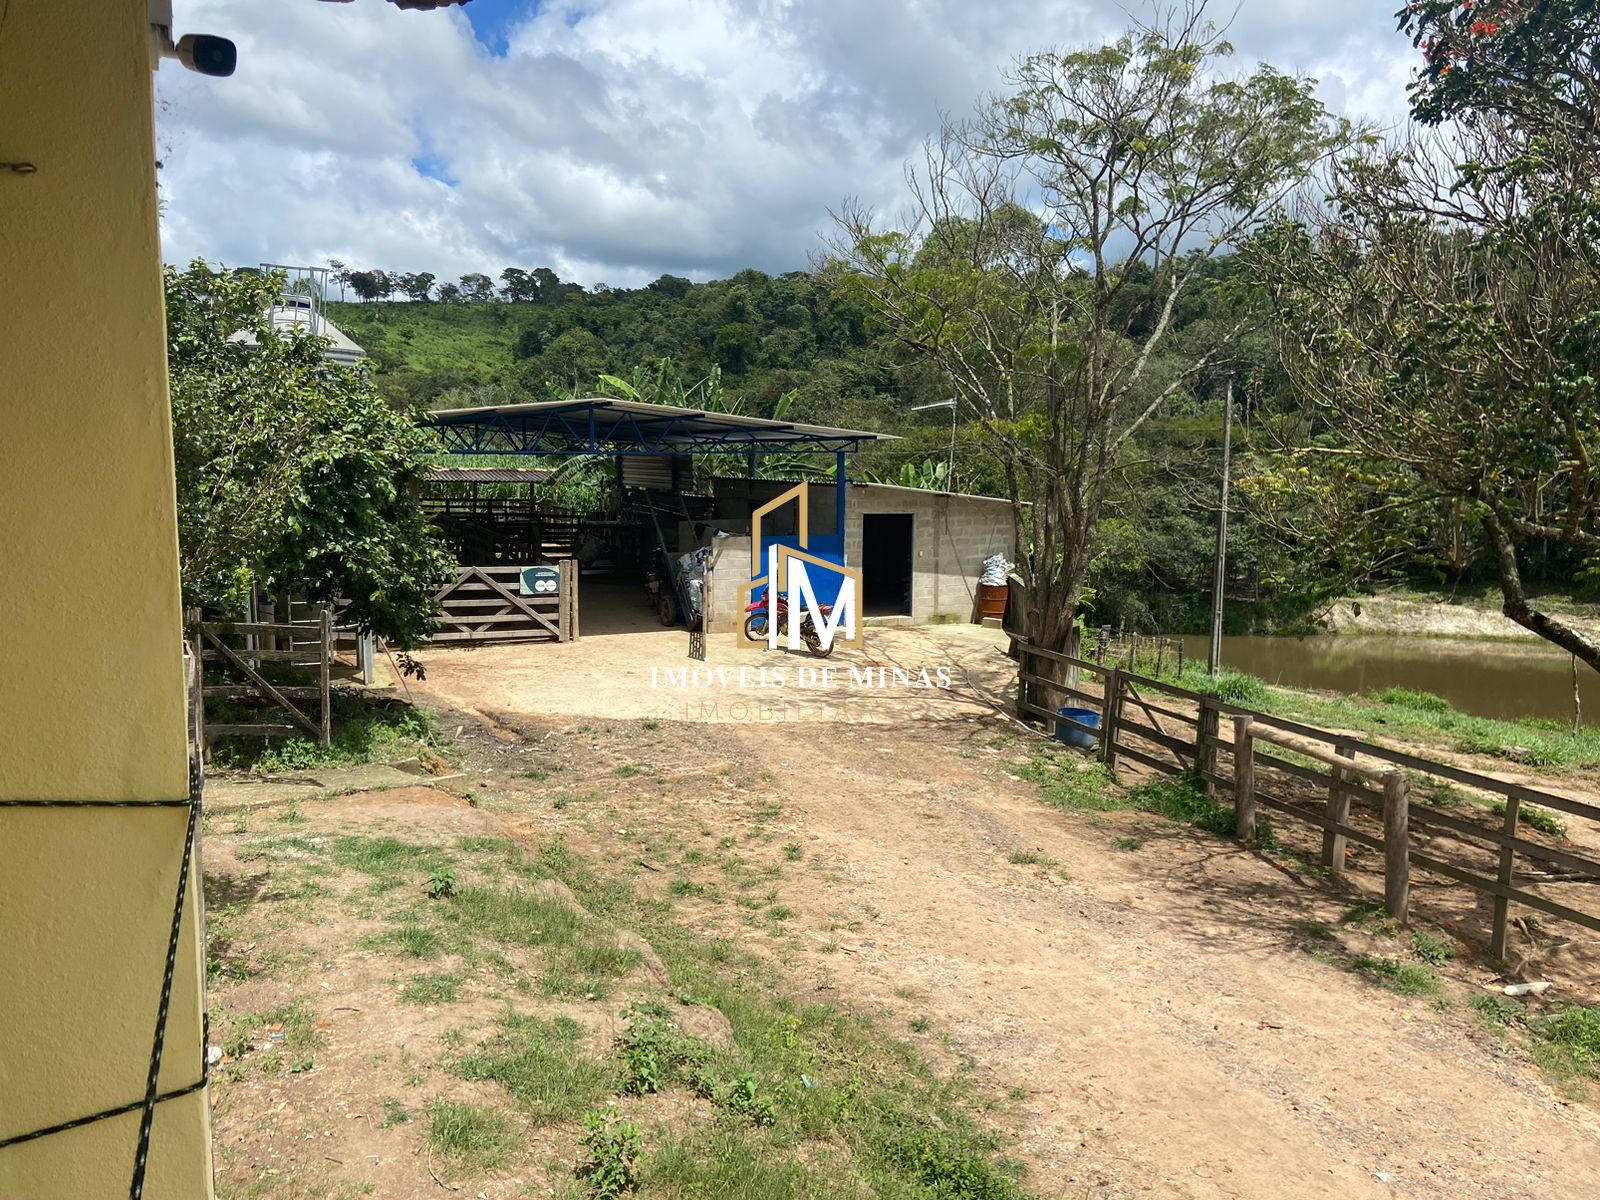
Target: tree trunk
(1516,605)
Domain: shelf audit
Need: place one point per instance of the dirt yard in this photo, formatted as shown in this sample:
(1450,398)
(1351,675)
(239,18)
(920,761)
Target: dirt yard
(1145,1010)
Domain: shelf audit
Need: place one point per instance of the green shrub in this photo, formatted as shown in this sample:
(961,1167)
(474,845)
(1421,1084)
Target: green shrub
(613,1155)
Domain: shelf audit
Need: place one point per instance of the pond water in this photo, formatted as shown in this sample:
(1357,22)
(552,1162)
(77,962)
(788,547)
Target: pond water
(1485,678)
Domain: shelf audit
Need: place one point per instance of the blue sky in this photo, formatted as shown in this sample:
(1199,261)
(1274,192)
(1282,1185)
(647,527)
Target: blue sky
(493,20)
(614,140)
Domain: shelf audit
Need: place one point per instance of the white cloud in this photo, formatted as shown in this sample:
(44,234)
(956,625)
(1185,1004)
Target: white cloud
(616,139)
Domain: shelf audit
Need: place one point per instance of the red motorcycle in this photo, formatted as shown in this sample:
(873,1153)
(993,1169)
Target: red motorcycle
(755,625)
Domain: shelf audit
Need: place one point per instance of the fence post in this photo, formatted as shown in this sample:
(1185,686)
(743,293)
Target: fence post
(325,664)
(1023,695)
(1337,809)
(1205,743)
(563,599)
(1180,658)
(1502,904)
(1105,640)
(366,655)
(197,699)
(1110,710)
(1244,780)
(1396,844)
(573,629)
(1161,654)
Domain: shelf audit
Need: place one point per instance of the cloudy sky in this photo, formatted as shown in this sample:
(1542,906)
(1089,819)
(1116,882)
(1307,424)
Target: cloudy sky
(617,139)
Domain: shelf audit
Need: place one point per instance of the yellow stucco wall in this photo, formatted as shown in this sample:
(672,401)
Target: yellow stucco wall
(91,685)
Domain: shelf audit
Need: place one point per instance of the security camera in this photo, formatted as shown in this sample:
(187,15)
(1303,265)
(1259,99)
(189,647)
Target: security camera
(208,54)
(200,52)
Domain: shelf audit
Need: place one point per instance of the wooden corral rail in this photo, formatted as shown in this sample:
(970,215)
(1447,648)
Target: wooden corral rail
(1498,862)
(484,604)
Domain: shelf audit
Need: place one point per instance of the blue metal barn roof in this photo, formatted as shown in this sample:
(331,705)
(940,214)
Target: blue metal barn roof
(622,427)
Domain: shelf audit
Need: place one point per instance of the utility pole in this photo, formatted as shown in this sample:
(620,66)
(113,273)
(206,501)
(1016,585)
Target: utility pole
(1214,659)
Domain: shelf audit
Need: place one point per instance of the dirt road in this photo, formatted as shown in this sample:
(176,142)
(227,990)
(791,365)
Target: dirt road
(1160,996)
(1158,1007)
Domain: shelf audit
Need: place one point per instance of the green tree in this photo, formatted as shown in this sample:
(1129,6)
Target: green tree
(1075,209)
(476,286)
(370,285)
(418,285)
(1441,311)
(293,474)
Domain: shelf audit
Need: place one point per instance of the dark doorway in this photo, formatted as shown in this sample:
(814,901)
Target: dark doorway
(886,564)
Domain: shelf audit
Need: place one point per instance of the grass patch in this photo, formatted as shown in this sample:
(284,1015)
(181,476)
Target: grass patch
(584,957)
(1399,697)
(1067,782)
(1431,949)
(1129,844)
(414,941)
(1401,978)
(1371,917)
(806,1100)
(1564,1040)
(1498,1012)
(1567,1044)
(539,1064)
(362,733)
(1423,717)
(1182,798)
(1534,817)
(430,989)
(469,1135)
(1234,687)
(1409,715)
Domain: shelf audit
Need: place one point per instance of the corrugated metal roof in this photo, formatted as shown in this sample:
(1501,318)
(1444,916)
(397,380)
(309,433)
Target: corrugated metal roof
(601,421)
(487,475)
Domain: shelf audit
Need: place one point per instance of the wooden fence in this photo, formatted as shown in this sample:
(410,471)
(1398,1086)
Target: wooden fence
(1352,790)
(484,604)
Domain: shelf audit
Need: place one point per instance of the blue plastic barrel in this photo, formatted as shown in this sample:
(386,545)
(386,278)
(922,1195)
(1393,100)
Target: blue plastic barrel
(1077,737)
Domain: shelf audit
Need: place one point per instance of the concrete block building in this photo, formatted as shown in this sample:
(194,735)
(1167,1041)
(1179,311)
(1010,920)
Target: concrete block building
(920,552)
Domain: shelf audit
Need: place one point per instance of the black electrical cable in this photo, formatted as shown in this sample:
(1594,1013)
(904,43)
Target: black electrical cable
(105,1114)
(147,1122)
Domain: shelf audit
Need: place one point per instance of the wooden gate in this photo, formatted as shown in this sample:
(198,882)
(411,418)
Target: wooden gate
(484,604)
(242,647)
